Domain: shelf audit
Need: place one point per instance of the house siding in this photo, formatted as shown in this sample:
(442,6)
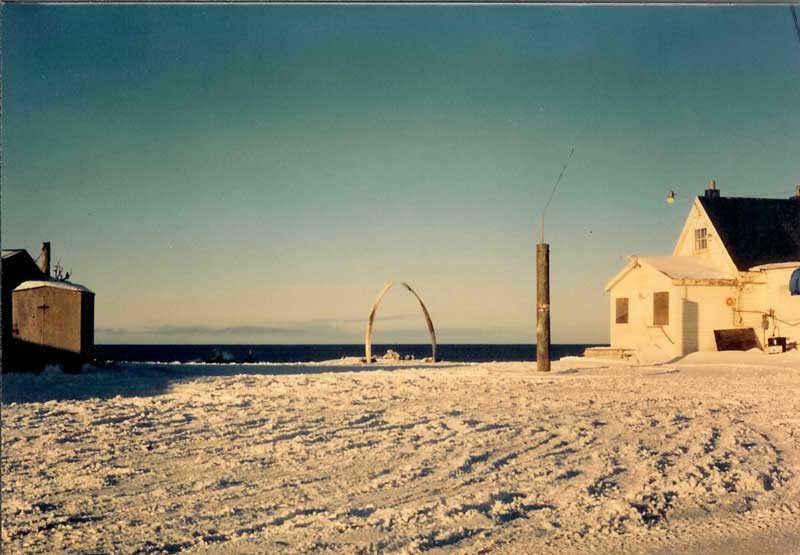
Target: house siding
(640,334)
(705,309)
(715,252)
(786,306)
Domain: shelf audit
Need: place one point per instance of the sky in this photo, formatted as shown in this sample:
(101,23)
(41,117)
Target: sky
(255,174)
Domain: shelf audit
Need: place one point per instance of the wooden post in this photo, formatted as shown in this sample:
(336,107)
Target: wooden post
(543,307)
(45,263)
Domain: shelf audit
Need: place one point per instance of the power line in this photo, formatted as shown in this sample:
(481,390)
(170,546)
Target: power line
(796,22)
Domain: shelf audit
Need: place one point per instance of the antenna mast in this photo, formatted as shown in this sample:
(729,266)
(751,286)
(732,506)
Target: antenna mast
(543,287)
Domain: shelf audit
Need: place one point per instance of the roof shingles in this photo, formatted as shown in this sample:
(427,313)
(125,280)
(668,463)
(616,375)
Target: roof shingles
(756,231)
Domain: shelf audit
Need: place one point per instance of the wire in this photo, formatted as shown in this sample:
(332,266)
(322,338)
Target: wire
(796,23)
(553,192)
(564,169)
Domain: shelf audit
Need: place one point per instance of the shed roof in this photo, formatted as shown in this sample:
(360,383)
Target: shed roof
(684,270)
(777,266)
(686,267)
(68,285)
(756,231)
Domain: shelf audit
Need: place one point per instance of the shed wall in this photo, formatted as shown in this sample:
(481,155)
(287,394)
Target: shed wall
(57,326)
(87,325)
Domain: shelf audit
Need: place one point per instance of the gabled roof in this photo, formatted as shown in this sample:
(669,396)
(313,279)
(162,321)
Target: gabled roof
(756,231)
(18,266)
(7,253)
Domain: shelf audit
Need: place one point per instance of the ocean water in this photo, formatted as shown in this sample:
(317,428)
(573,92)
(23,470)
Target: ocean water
(315,353)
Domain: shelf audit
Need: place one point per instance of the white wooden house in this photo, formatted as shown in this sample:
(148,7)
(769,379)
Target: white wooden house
(734,273)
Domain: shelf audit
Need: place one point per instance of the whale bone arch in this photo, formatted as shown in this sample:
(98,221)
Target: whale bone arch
(371,320)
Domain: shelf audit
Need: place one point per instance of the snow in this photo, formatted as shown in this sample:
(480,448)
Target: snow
(776,266)
(701,455)
(686,267)
(68,285)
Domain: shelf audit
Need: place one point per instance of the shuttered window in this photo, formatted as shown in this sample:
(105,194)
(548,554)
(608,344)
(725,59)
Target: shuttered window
(622,310)
(661,309)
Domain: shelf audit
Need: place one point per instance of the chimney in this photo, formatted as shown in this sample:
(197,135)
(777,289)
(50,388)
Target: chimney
(712,191)
(45,262)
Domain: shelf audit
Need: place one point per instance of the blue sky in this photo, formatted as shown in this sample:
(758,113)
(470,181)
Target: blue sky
(255,174)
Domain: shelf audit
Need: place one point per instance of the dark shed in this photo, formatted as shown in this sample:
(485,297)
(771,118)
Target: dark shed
(17,266)
(54,316)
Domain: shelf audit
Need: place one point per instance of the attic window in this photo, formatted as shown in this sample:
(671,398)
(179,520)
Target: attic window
(700,239)
(622,310)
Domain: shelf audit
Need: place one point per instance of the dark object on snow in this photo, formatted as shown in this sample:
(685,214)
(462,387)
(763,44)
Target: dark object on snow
(777,342)
(741,339)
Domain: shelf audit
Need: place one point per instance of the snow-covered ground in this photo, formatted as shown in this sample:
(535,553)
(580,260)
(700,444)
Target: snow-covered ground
(698,456)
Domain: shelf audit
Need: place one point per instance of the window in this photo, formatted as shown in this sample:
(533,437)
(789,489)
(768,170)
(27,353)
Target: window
(661,309)
(622,310)
(700,239)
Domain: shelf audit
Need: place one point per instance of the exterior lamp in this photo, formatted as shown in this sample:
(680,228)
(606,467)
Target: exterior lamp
(671,197)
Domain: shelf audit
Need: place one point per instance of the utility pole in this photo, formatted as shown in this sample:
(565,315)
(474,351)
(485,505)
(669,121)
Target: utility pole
(543,288)
(543,306)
